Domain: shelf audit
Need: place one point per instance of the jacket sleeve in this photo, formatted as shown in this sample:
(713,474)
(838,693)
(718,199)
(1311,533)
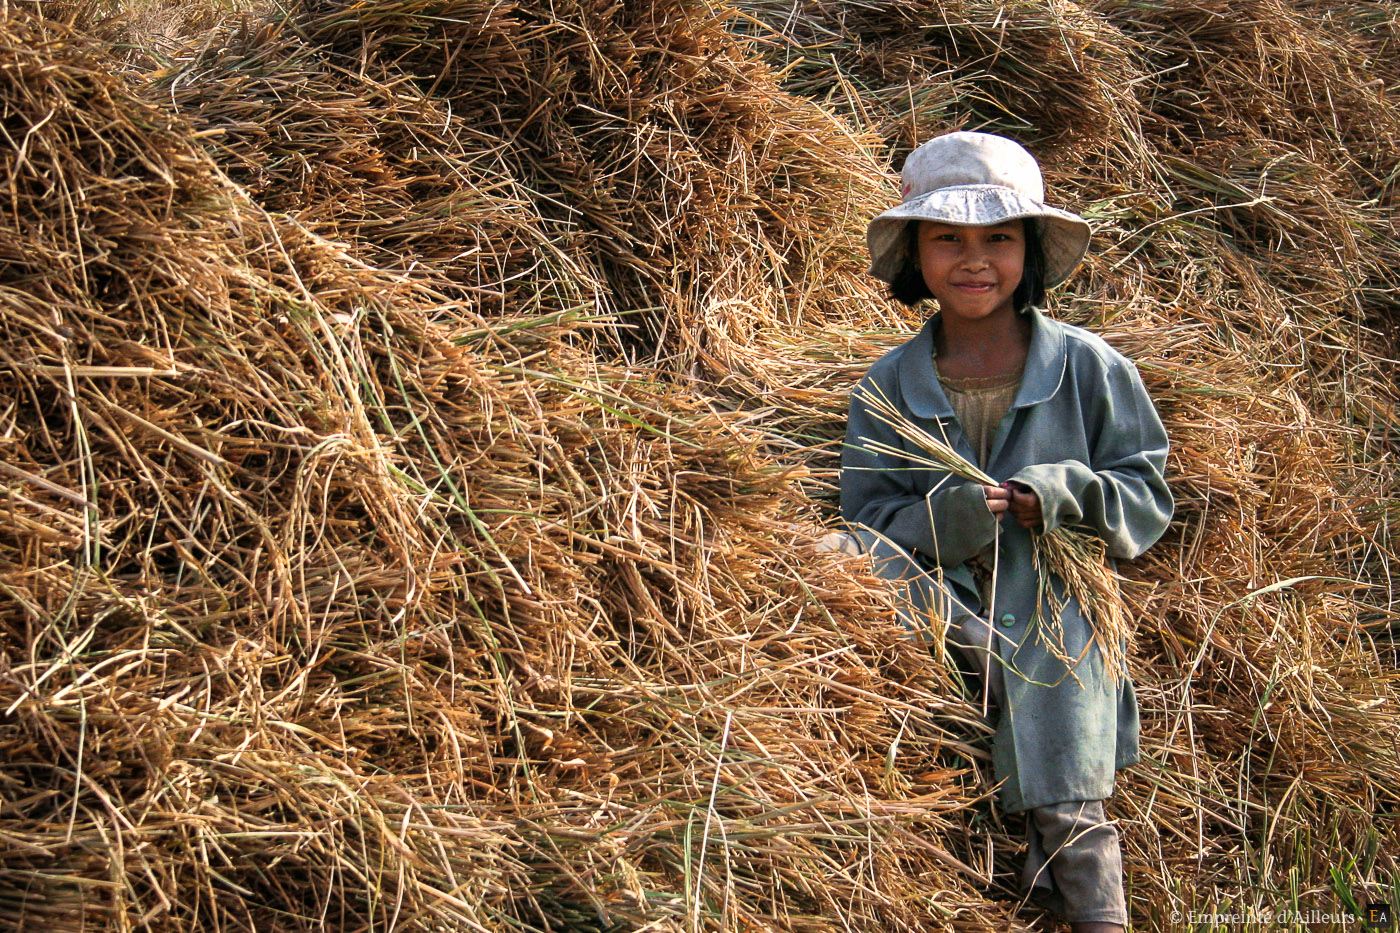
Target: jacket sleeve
(1121,493)
(943,517)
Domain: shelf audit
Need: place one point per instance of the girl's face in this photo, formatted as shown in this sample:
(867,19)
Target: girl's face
(972,271)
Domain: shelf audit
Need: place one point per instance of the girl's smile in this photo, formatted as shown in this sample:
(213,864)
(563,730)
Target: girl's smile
(972,271)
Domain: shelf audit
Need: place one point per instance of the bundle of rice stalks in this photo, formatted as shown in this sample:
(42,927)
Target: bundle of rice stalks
(1276,131)
(639,165)
(380,167)
(139,34)
(1306,69)
(1053,75)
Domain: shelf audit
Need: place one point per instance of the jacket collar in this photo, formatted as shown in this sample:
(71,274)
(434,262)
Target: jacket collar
(1045,368)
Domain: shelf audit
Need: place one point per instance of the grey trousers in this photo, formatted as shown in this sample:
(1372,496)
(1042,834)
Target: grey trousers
(1074,863)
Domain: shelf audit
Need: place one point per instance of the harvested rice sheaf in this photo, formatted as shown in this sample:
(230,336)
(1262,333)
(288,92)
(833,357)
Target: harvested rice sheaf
(391,532)
(634,160)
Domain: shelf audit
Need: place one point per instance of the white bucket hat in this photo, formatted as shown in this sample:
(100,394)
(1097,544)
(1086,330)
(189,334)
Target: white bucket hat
(980,180)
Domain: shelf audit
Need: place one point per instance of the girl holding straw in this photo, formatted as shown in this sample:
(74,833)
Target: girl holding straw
(993,433)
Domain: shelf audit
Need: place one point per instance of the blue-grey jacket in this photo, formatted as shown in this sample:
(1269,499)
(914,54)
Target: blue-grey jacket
(1083,433)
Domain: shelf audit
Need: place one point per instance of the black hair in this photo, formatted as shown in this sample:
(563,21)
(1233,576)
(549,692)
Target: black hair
(908,286)
(1030,293)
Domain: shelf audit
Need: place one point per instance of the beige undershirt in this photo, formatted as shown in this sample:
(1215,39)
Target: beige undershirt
(980,403)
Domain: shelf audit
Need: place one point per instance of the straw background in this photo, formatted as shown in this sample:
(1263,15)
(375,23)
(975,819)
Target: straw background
(416,418)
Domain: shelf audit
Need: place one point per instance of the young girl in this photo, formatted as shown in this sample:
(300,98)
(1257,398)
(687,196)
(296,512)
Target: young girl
(1063,421)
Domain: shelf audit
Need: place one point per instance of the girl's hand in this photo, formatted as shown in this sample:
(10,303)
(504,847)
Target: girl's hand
(998,499)
(1023,504)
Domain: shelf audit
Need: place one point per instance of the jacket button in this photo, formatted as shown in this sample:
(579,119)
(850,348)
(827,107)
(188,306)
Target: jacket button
(1009,619)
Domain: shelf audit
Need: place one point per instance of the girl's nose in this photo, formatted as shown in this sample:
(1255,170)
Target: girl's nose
(975,258)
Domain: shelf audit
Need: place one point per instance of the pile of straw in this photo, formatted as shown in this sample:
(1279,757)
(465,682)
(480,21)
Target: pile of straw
(637,164)
(330,600)
(404,521)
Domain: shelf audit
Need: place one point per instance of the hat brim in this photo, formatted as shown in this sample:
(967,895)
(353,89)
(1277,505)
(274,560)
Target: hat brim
(1064,236)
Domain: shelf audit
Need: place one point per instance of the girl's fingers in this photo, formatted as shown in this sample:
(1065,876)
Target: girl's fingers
(1019,492)
(998,499)
(1023,503)
(1023,497)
